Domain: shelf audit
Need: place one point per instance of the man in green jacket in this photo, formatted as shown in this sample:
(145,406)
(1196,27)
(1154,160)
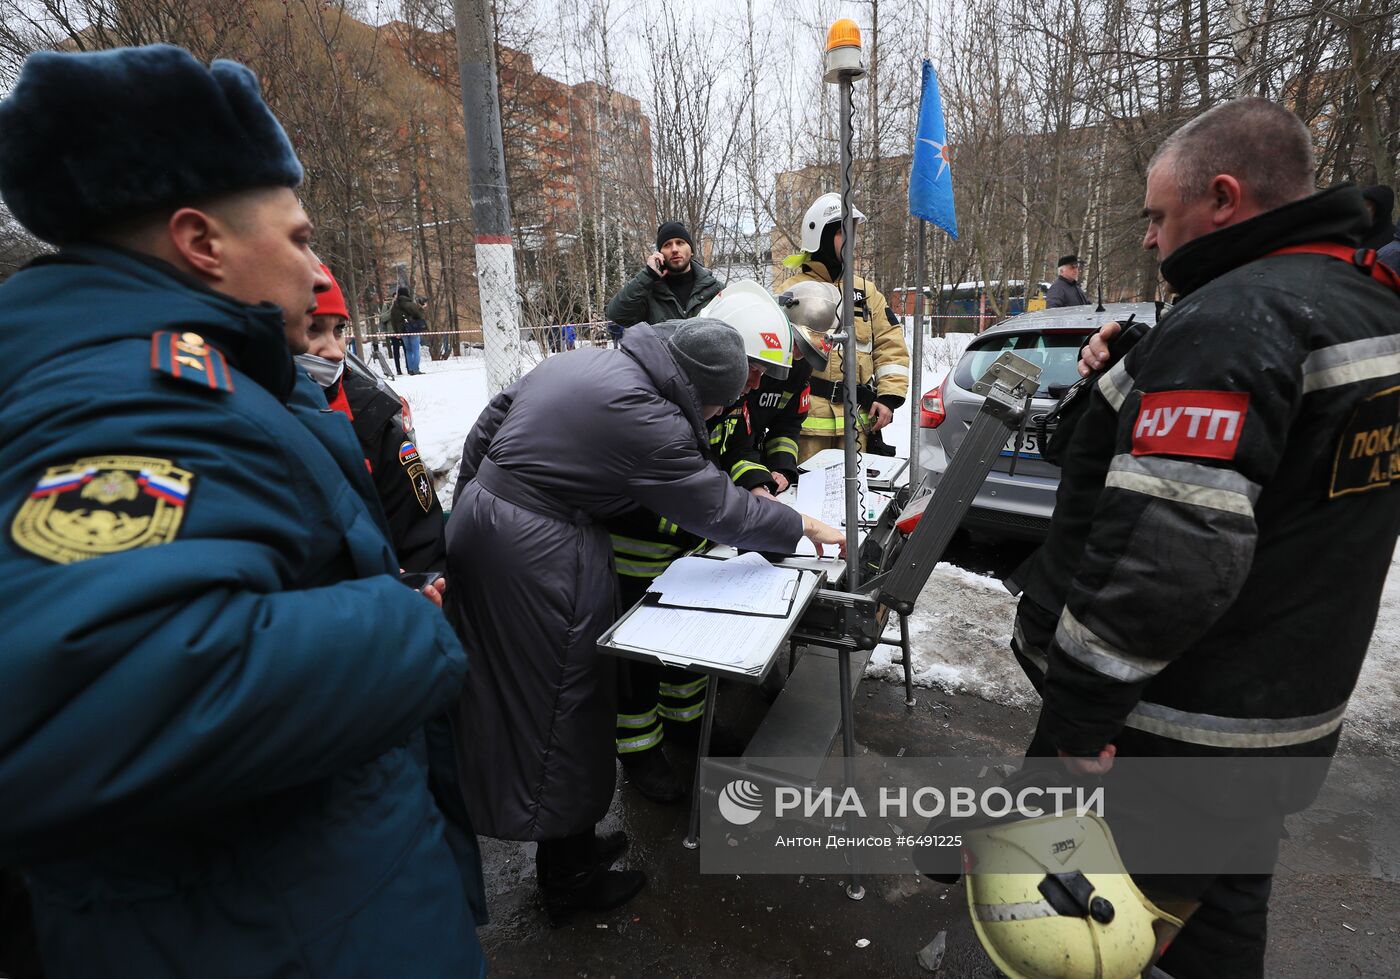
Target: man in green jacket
(670,286)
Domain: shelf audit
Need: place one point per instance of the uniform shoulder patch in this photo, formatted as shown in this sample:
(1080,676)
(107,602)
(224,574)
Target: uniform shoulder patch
(188,357)
(804,400)
(422,485)
(408,453)
(1368,450)
(1203,424)
(102,505)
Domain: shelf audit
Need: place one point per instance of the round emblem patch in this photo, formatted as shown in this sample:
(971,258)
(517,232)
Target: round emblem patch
(102,505)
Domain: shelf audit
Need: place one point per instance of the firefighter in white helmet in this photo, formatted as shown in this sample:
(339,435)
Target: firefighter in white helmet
(654,701)
(882,358)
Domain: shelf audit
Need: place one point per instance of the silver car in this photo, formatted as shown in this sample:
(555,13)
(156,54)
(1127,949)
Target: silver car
(1016,505)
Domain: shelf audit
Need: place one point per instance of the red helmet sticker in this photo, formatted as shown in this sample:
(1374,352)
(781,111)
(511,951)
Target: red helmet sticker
(771,339)
(1204,424)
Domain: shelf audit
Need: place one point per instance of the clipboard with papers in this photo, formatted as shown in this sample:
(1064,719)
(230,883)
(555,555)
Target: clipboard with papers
(738,644)
(746,584)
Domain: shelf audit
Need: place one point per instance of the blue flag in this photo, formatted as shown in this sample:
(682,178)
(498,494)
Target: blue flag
(931,176)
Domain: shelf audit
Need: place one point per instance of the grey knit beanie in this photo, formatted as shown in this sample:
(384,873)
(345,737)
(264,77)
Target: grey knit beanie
(711,355)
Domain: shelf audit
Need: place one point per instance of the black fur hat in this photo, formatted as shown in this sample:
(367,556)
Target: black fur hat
(88,140)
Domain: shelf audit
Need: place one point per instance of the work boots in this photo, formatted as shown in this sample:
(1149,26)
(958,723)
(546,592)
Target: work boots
(574,875)
(652,775)
(591,890)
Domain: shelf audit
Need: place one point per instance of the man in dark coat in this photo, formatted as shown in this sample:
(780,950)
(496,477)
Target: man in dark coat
(1065,291)
(583,437)
(216,762)
(1245,437)
(406,317)
(670,286)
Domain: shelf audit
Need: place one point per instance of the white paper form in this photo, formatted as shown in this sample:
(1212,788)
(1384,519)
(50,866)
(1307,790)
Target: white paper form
(805,548)
(691,636)
(886,468)
(821,493)
(747,583)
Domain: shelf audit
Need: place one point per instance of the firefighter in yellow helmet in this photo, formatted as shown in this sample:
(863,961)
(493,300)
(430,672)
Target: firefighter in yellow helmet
(882,358)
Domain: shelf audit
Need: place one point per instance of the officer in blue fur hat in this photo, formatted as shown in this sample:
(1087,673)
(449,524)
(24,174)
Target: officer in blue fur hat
(211,761)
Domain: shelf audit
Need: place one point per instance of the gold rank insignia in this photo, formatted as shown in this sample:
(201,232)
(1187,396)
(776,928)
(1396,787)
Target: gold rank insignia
(188,357)
(102,505)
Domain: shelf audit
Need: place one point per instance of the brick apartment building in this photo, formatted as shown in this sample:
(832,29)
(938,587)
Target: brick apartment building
(578,167)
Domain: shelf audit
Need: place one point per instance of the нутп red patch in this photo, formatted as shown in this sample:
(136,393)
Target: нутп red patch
(1204,424)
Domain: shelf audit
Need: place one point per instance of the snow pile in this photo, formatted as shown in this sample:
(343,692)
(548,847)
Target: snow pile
(960,634)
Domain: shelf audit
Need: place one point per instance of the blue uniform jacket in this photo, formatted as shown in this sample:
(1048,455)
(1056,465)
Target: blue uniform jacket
(212,688)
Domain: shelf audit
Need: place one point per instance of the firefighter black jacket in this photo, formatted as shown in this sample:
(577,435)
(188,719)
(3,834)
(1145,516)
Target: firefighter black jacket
(1229,505)
(776,413)
(401,478)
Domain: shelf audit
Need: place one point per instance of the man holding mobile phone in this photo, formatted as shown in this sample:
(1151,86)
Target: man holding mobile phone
(670,286)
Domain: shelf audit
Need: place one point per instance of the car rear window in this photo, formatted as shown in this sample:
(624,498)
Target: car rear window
(1057,355)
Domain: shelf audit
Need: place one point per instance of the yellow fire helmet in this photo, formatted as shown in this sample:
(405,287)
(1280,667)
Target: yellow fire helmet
(1058,921)
(813,309)
(750,309)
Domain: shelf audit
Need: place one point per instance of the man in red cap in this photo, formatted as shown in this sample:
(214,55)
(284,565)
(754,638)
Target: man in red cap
(384,426)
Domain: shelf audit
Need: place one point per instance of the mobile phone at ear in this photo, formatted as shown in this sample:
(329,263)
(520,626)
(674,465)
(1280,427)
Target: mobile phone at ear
(418,580)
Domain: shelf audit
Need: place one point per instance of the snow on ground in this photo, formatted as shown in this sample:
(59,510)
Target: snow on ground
(961,630)
(960,634)
(446,400)
(1373,720)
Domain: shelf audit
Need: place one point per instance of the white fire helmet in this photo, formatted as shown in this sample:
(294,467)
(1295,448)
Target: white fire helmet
(825,210)
(750,309)
(1040,915)
(813,309)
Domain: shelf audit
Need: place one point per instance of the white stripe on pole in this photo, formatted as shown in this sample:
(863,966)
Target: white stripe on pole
(500,314)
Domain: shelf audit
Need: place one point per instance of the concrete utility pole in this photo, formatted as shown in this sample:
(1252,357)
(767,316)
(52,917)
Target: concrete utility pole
(495,253)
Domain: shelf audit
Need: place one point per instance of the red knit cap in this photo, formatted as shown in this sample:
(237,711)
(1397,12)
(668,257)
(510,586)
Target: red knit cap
(332,301)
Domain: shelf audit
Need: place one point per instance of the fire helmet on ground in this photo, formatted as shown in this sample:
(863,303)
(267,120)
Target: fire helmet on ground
(750,309)
(825,210)
(1043,910)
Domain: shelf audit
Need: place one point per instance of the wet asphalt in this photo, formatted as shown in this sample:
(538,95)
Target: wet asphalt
(686,924)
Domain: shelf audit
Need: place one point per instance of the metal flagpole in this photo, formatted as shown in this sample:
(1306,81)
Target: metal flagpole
(931,201)
(843,67)
(916,375)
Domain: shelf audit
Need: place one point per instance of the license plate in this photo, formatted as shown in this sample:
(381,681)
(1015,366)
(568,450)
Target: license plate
(1030,446)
